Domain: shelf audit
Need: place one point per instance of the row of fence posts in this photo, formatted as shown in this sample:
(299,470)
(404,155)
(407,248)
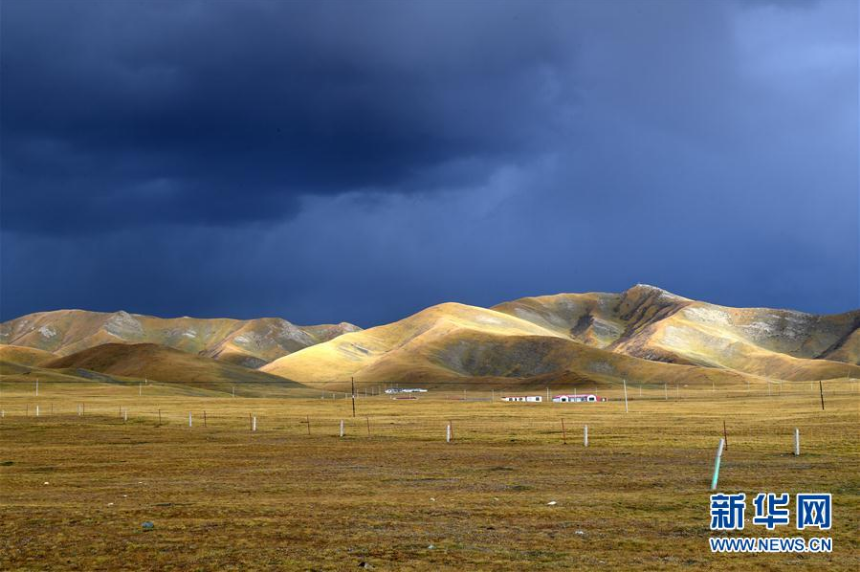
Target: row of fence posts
(39,411)
(449,428)
(624,382)
(252,419)
(449,432)
(449,436)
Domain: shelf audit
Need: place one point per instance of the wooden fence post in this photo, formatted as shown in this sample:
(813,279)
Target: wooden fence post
(821,389)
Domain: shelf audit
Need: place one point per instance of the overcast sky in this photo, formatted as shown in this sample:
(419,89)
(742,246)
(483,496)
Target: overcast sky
(359,161)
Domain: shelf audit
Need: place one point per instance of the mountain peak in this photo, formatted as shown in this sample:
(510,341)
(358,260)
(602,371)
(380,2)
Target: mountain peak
(649,290)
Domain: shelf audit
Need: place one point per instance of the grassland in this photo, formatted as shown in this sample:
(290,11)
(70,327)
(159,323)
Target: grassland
(393,495)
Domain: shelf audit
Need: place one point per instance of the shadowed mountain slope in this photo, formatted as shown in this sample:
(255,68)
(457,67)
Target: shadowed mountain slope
(653,324)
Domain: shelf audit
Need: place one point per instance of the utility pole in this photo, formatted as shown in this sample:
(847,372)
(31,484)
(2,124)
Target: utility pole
(821,390)
(352,379)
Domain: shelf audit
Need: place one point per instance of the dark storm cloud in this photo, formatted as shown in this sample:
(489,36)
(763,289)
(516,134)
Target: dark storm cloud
(226,111)
(362,160)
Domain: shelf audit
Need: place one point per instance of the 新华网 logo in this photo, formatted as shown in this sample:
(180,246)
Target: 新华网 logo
(771,510)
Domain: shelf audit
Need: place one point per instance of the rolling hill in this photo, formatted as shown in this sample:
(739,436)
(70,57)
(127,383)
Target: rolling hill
(23,355)
(644,334)
(250,343)
(160,363)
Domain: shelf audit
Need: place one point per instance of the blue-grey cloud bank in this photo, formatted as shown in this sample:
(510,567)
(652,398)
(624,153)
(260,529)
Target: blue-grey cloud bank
(338,160)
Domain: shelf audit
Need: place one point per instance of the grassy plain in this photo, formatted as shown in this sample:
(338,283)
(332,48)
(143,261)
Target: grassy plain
(393,495)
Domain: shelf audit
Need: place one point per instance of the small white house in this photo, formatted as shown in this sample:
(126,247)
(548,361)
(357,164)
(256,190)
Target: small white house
(577,398)
(524,398)
(394,390)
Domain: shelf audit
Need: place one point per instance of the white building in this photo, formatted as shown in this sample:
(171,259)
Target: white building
(577,398)
(394,390)
(525,398)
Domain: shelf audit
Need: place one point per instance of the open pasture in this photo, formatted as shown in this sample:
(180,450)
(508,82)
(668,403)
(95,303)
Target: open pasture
(79,480)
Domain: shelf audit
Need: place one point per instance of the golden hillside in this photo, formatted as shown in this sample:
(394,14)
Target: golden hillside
(250,343)
(644,334)
(350,354)
(159,363)
(23,355)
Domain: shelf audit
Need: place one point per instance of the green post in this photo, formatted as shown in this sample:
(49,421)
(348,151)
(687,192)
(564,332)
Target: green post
(717,464)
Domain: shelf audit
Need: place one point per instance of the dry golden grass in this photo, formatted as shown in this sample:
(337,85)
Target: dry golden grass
(160,363)
(23,355)
(222,497)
